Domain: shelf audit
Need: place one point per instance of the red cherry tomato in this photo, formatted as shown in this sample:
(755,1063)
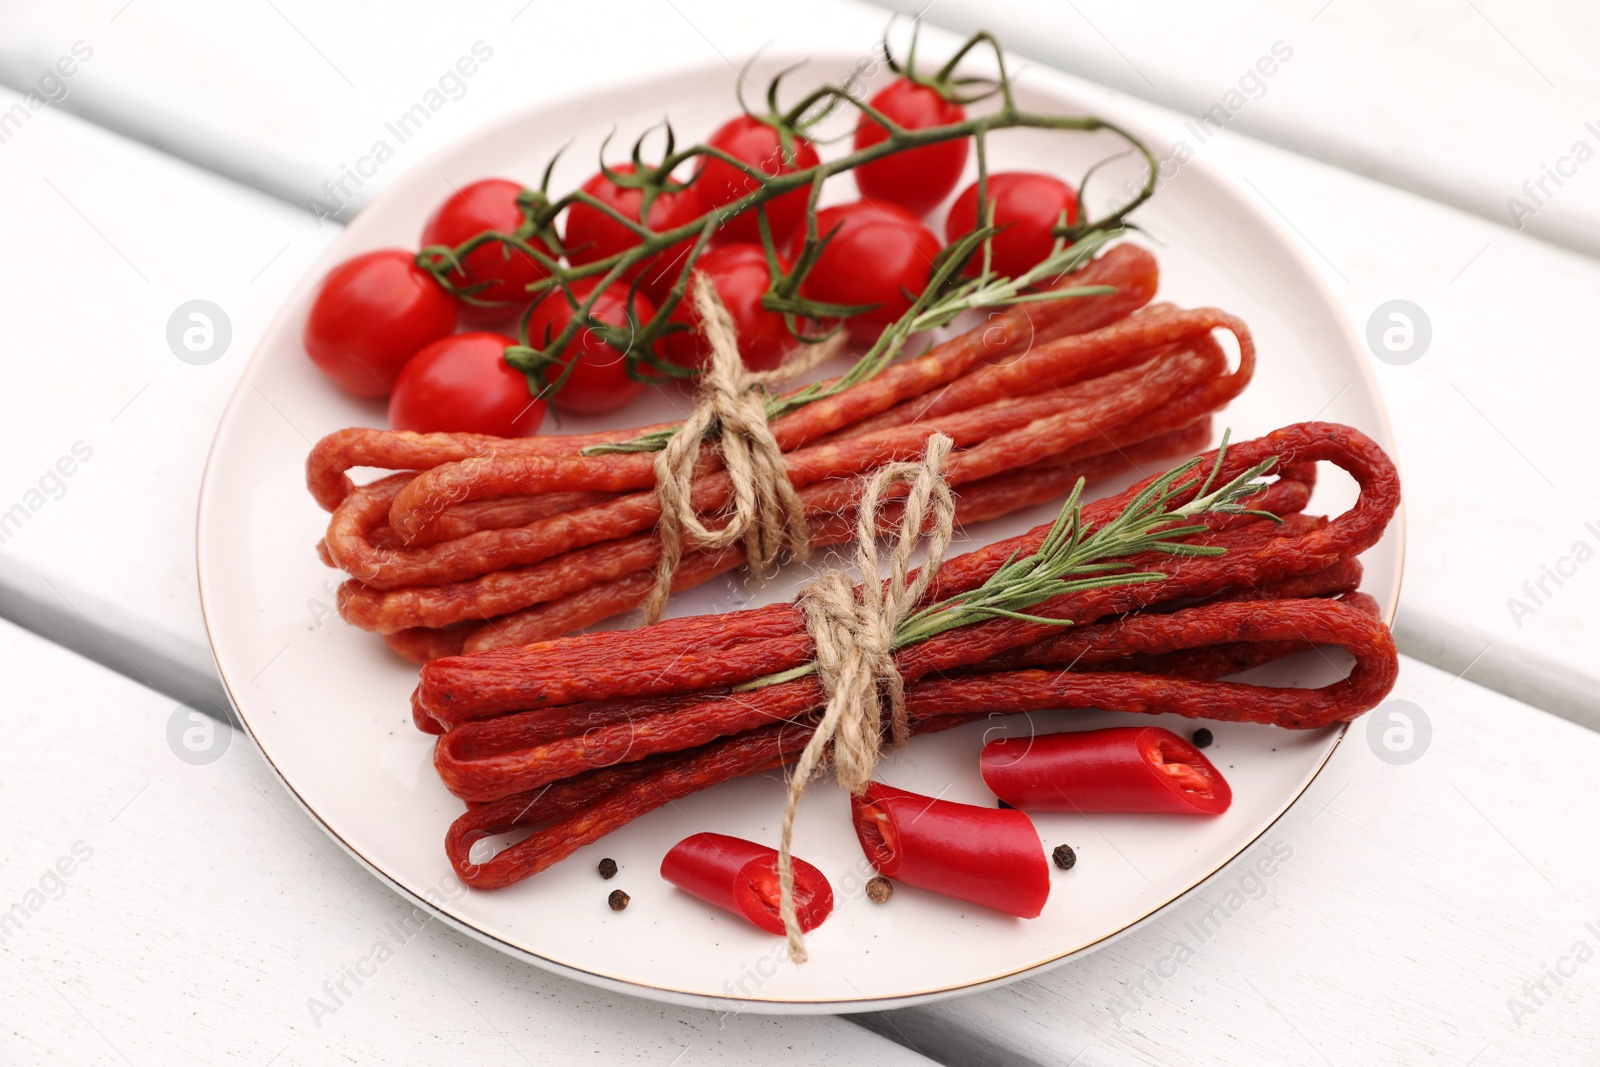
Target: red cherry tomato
(591,234)
(739,274)
(1028,206)
(372,314)
(490,204)
(880,254)
(918,178)
(599,379)
(756,143)
(461,384)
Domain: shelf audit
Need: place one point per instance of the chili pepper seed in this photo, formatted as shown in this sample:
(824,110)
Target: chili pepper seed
(879,889)
(1064,857)
(1202,738)
(608,868)
(618,900)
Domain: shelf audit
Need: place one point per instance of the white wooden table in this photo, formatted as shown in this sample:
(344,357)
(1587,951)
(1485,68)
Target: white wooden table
(1420,905)
(175,913)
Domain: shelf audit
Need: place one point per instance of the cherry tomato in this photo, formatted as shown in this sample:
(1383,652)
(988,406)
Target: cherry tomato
(372,314)
(592,234)
(739,273)
(880,254)
(461,384)
(918,178)
(490,204)
(599,381)
(1028,205)
(756,143)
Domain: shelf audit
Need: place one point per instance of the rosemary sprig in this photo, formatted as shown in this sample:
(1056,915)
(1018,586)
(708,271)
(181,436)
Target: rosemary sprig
(947,296)
(1076,556)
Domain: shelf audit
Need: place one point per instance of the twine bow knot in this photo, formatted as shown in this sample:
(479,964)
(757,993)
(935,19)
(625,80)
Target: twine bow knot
(767,513)
(853,632)
(854,637)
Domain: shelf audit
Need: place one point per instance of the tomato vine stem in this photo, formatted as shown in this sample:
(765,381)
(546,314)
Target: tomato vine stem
(539,238)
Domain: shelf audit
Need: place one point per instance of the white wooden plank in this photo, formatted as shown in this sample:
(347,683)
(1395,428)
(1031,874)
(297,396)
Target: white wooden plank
(197,913)
(1459,102)
(1402,911)
(107,428)
(286,96)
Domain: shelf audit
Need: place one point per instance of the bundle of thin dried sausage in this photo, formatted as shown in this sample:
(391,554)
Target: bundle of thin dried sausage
(479,543)
(571,738)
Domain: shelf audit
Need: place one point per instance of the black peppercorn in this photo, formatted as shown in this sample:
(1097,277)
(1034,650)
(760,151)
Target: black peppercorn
(618,900)
(608,868)
(1202,738)
(879,889)
(1064,857)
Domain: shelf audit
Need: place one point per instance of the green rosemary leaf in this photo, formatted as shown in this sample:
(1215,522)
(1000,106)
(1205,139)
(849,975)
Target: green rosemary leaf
(1187,550)
(1020,616)
(1072,557)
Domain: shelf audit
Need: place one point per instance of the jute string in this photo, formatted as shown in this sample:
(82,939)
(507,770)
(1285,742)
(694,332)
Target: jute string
(731,407)
(854,638)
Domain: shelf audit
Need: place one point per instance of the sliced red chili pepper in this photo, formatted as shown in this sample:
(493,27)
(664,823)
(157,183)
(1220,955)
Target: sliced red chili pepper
(1128,769)
(742,877)
(990,856)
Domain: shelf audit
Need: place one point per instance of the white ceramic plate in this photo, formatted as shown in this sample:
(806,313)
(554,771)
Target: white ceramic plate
(328,705)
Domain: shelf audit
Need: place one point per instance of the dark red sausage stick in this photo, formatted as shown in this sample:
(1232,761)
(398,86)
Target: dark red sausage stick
(989,856)
(742,877)
(1141,770)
